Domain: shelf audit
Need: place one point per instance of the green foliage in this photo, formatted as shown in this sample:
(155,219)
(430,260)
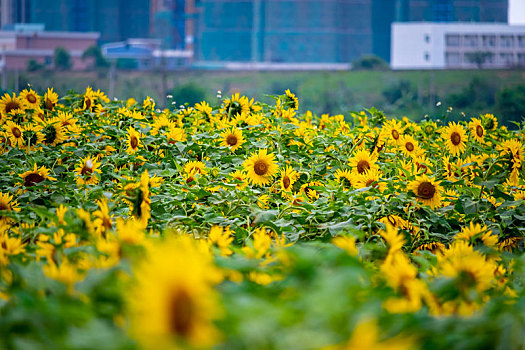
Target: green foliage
(62,58)
(478,96)
(370,62)
(190,93)
(95,53)
(510,103)
(127,63)
(401,89)
(33,66)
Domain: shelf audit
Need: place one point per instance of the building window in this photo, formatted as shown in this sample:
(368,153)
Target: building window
(427,38)
(452,59)
(521,41)
(521,59)
(506,59)
(452,40)
(427,56)
(489,40)
(506,41)
(470,40)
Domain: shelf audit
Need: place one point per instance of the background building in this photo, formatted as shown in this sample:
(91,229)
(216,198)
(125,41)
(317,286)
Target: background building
(114,19)
(321,30)
(31,42)
(457,45)
(452,10)
(284,31)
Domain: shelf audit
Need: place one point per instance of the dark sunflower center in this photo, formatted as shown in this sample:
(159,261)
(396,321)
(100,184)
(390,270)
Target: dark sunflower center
(181,313)
(371,182)
(134,142)
(190,179)
(106,222)
(4,206)
(49,105)
(16,132)
(426,190)
(86,170)
(87,102)
(32,179)
(409,146)
(455,138)
(479,130)
(395,134)
(286,181)
(11,106)
(260,167)
(231,140)
(31,99)
(362,166)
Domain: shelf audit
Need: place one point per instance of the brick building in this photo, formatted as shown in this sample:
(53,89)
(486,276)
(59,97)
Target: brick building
(40,45)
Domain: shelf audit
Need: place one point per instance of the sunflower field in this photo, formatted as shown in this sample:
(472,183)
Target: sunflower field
(246,225)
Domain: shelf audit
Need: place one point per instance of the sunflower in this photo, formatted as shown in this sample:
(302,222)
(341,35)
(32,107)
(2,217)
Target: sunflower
(241,177)
(33,136)
(232,138)
(260,167)
(104,220)
(30,98)
(50,99)
(148,103)
(288,178)
(66,119)
(161,123)
(204,108)
(409,146)
(429,127)
(490,122)
(475,233)
(392,131)
(371,178)
(133,141)
(88,103)
(172,300)
(54,131)
(7,204)
(221,237)
(290,100)
(15,133)
(9,104)
(236,106)
(362,161)
(477,130)
(455,138)
(176,135)
(195,167)
(35,176)
(308,190)
(426,190)
(468,266)
(344,177)
(142,201)
(86,171)
(189,178)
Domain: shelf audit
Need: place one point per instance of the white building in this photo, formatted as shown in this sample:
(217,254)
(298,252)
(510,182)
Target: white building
(426,45)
